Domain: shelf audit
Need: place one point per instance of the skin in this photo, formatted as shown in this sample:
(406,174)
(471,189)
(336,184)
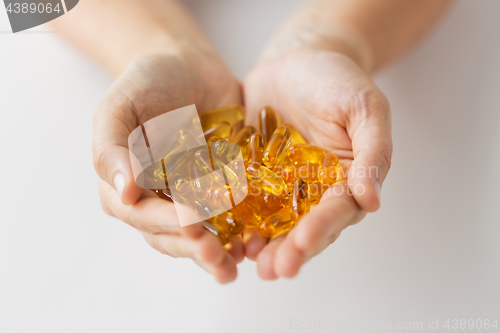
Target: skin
(314,72)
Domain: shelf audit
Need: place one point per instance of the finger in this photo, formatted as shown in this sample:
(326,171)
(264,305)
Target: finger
(150,214)
(265,259)
(372,148)
(114,120)
(336,210)
(254,243)
(218,263)
(206,251)
(236,248)
(289,259)
(226,271)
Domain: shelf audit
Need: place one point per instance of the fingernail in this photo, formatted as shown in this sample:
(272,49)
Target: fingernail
(119,182)
(376,187)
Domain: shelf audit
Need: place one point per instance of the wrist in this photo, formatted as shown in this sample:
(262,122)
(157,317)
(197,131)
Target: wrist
(165,45)
(310,39)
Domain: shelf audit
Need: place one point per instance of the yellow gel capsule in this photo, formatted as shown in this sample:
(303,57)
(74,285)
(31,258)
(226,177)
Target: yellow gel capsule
(247,213)
(316,191)
(277,224)
(234,224)
(186,137)
(302,152)
(269,121)
(256,146)
(270,204)
(296,137)
(279,142)
(219,196)
(329,171)
(266,180)
(164,194)
(215,148)
(218,231)
(233,114)
(305,171)
(299,200)
(330,160)
(221,130)
(242,138)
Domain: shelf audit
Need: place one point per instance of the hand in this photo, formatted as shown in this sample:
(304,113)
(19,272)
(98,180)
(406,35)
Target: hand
(147,88)
(328,98)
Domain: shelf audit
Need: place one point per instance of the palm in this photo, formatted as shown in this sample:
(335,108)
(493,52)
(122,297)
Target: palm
(336,106)
(318,94)
(158,84)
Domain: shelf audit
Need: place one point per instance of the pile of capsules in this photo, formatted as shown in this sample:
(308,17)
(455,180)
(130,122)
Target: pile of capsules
(285,175)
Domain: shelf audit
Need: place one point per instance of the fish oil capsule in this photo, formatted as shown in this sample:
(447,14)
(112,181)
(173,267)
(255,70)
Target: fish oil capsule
(316,191)
(296,137)
(256,146)
(299,200)
(302,152)
(266,180)
(277,224)
(279,142)
(220,232)
(264,203)
(270,204)
(216,146)
(186,137)
(233,114)
(306,171)
(218,196)
(247,213)
(242,138)
(269,121)
(329,170)
(164,194)
(221,130)
(234,225)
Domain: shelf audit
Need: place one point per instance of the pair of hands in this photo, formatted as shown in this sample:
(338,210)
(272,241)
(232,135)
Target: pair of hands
(325,95)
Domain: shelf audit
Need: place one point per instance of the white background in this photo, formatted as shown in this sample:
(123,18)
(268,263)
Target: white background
(432,251)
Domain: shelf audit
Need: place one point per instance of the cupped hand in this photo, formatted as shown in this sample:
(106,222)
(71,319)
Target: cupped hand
(328,98)
(149,87)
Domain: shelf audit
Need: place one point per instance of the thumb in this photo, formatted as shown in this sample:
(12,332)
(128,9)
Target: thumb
(372,147)
(114,120)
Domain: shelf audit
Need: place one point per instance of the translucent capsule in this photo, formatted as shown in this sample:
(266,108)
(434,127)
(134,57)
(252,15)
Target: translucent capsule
(271,204)
(279,142)
(169,163)
(266,180)
(216,146)
(233,114)
(164,194)
(277,224)
(329,171)
(299,200)
(221,130)
(330,160)
(186,137)
(305,171)
(247,212)
(219,196)
(217,230)
(256,146)
(296,137)
(269,121)
(302,152)
(242,138)
(234,225)
(316,191)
